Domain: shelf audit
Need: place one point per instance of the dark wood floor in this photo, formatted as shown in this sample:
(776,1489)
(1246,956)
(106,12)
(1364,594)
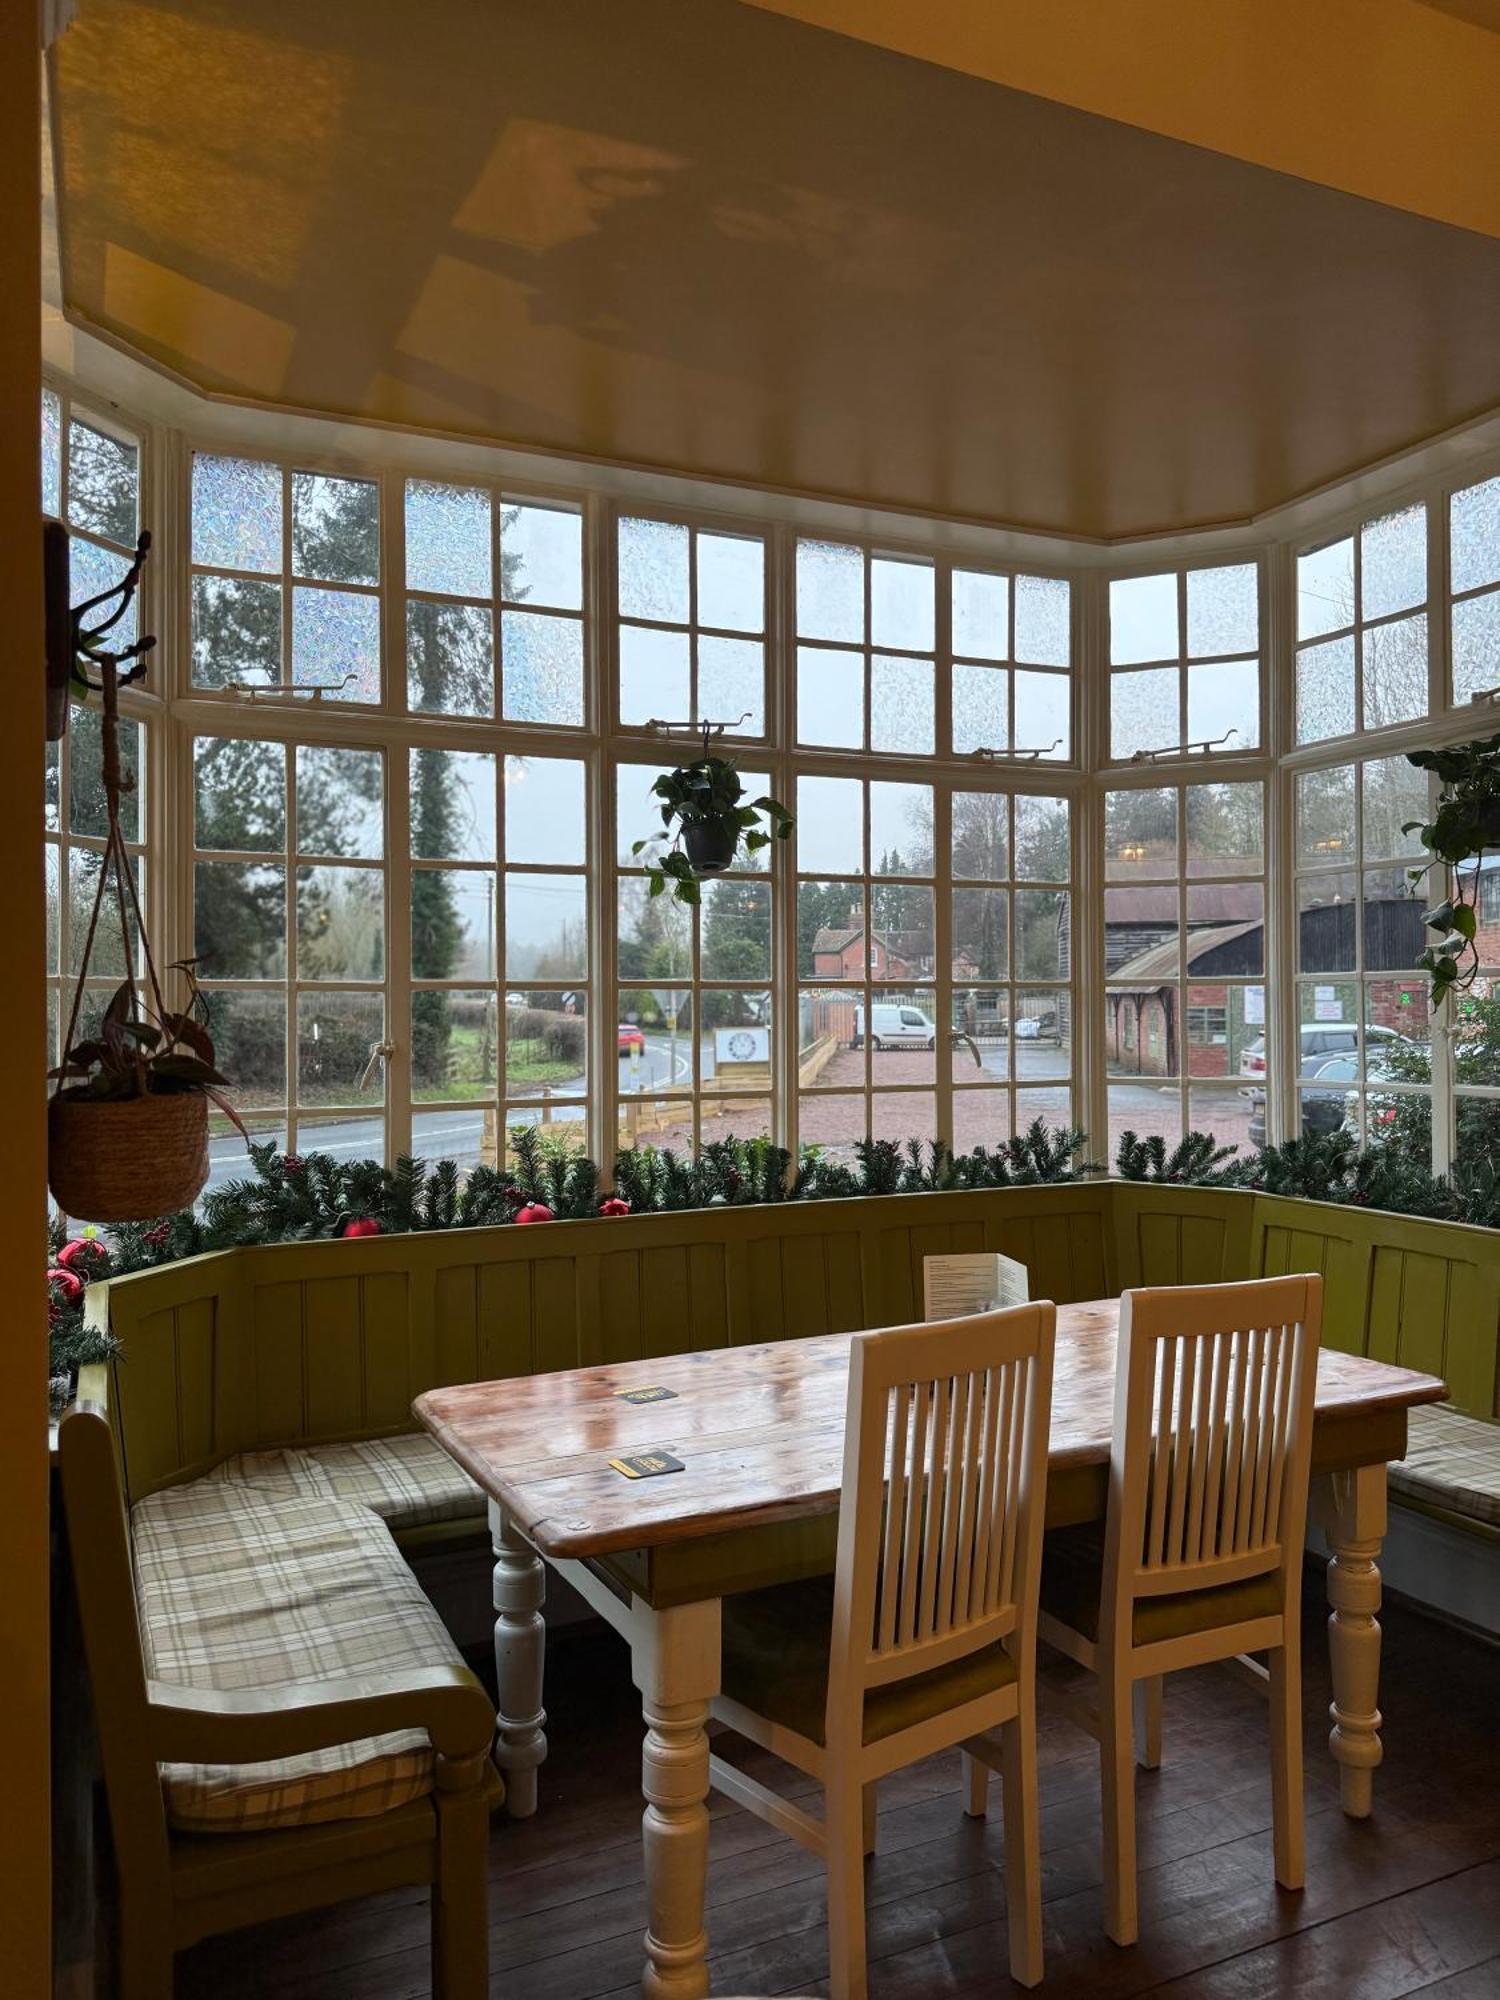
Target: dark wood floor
(1408,1902)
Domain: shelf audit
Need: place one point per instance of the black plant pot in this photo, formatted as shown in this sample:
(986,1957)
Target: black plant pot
(709,845)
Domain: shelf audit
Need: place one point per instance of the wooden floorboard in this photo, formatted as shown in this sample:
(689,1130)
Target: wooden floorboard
(1405,1903)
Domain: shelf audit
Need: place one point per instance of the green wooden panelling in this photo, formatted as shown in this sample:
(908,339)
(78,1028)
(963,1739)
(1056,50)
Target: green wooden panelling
(321,1340)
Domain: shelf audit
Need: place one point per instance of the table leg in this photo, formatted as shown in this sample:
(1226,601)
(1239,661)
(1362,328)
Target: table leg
(675,1660)
(1352,1512)
(520,1653)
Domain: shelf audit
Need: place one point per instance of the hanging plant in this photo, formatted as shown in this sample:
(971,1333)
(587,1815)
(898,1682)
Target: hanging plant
(127,1126)
(1464,829)
(704,799)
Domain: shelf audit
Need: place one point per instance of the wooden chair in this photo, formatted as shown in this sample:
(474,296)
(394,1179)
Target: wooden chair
(176,1888)
(926,1633)
(1202,1550)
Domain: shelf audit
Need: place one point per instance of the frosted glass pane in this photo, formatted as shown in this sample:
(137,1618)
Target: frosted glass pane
(236,632)
(1143,619)
(1474,546)
(1395,660)
(981,708)
(1043,616)
(731,683)
(1325,690)
(340,923)
(830,832)
(546,810)
(1224,697)
(1042,702)
(93,569)
(453,923)
(981,614)
(830,591)
(546,927)
(453,805)
(448,539)
(900,829)
(1393,560)
(1144,712)
(339,799)
(1043,852)
(653,570)
(981,836)
(830,697)
(239,794)
(901,705)
(336,633)
(1325,590)
(236,513)
(732,582)
(1476,645)
(541,556)
(1223,610)
(542,667)
(1325,813)
(450,659)
(51,453)
(103,483)
(335,528)
(655,669)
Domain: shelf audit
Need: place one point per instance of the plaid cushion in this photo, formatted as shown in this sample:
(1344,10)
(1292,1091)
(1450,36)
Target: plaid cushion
(240,1588)
(1451,1461)
(409,1481)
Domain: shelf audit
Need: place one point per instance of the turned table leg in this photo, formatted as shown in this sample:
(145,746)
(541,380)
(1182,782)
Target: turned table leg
(1352,1513)
(676,1667)
(520,1653)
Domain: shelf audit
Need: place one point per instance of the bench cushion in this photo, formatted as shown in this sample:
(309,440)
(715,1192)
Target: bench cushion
(409,1481)
(239,1588)
(1452,1461)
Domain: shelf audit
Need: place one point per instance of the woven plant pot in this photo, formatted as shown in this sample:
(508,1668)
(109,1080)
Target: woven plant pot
(129,1160)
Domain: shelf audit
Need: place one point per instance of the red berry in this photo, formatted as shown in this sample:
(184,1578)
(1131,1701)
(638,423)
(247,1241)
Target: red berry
(614,1206)
(363,1225)
(534,1211)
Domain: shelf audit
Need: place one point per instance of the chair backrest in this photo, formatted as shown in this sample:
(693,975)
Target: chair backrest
(1214,1389)
(944,1491)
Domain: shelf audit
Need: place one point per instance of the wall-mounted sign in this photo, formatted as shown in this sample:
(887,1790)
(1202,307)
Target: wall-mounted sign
(742,1045)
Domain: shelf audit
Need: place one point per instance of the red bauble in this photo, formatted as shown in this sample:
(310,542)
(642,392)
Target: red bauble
(534,1211)
(363,1225)
(68,1284)
(614,1206)
(81,1253)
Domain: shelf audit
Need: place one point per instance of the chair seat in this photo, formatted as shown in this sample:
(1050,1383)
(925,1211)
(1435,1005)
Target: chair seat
(1452,1461)
(775,1651)
(408,1480)
(239,1588)
(1073,1577)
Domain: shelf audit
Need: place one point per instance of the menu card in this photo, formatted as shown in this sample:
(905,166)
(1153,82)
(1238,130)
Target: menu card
(974,1282)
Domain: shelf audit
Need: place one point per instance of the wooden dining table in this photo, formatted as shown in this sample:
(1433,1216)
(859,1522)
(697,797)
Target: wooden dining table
(759,1432)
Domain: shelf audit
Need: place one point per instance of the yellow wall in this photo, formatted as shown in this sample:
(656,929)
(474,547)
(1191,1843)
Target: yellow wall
(1391,99)
(24,1863)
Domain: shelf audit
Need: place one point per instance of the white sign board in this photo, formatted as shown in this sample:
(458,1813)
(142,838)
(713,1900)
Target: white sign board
(1327,1005)
(1255,1006)
(742,1045)
(975,1282)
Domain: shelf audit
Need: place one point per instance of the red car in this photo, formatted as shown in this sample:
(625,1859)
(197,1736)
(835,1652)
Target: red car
(632,1041)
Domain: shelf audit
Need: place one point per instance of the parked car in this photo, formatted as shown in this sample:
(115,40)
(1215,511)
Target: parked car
(895,1025)
(632,1040)
(1319,1038)
(1323,1109)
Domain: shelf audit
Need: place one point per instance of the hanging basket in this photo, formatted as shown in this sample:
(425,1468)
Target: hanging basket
(126,1159)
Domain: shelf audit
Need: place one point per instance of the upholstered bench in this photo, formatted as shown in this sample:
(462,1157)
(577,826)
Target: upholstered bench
(1442,1546)
(1452,1466)
(407,1480)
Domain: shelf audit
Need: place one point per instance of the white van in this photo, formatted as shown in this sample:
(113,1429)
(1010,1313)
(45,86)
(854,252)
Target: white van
(894,1025)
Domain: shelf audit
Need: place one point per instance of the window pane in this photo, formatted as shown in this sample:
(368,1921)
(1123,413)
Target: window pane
(1394,932)
(335,528)
(51,453)
(830,697)
(454,1046)
(1140,834)
(981,615)
(239,929)
(103,483)
(1325,690)
(654,675)
(1041,916)
(901,716)
(1395,659)
(830,825)
(236,632)
(980,934)
(249,1037)
(1476,645)
(448,539)
(1226,929)
(1142,936)
(1225,829)
(903,1115)
(981,1119)
(1474,547)
(900,829)
(1144,711)
(236,513)
(546,810)
(731,582)
(901,603)
(979,1043)
(981,835)
(653,570)
(1043,621)
(453,922)
(543,668)
(239,794)
(88,811)
(1143,618)
(546,927)
(903,1034)
(1393,559)
(339,802)
(1394,794)
(336,639)
(1325,921)
(546,1046)
(1325,589)
(901,931)
(831,936)
(1147,1111)
(736,930)
(1042,703)
(731,683)
(541,556)
(1043,852)
(1223,613)
(832,1125)
(108,956)
(340,923)
(452,805)
(450,659)
(336,1035)
(93,570)
(1043,1032)
(1325,813)
(1225,1112)
(830,591)
(1224,701)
